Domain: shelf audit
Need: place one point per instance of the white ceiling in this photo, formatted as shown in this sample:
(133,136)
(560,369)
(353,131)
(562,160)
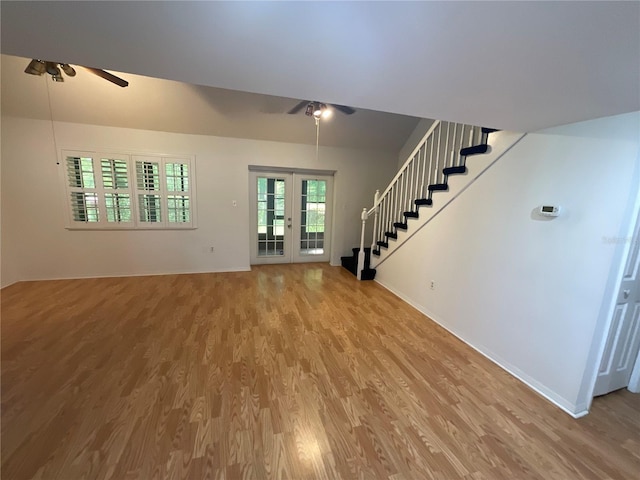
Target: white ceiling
(164,105)
(513,65)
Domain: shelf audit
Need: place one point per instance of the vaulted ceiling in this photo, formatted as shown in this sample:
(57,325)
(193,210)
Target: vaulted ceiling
(512,65)
(169,106)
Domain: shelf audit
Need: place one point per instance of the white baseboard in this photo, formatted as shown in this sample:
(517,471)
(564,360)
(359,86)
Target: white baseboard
(576,411)
(122,275)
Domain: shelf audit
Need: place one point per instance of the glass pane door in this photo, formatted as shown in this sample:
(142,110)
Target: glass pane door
(290,217)
(271,218)
(312,212)
(312,221)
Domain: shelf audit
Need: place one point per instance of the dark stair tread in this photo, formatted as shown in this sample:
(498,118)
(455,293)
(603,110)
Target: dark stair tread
(401,225)
(423,201)
(489,130)
(376,252)
(474,150)
(391,235)
(438,187)
(411,214)
(455,170)
(382,244)
(368,274)
(350,264)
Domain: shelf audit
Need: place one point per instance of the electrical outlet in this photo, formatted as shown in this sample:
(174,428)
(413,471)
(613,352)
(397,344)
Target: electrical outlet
(432,285)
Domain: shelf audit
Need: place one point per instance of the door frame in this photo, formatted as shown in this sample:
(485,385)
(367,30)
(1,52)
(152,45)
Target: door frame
(253,172)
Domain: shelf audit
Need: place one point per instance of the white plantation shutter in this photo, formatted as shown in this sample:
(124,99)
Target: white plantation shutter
(178,191)
(117,192)
(122,191)
(149,191)
(98,190)
(81,188)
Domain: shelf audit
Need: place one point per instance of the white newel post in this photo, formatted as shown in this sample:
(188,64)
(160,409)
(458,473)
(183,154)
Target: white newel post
(376,208)
(363,217)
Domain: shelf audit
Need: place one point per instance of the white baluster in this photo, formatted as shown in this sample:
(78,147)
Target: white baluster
(405,189)
(400,195)
(376,199)
(454,140)
(433,142)
(411,185)
(438,155)
(363,217)
(424,168)
(460,141)
(387,207)
(446,152)
(396,193)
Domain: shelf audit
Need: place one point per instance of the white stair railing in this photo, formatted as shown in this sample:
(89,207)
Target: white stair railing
(439,149)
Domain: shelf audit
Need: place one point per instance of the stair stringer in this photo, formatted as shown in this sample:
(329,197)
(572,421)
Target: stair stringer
(500,142)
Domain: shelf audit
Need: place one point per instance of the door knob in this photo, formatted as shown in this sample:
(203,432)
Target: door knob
(625,294)
(289,226)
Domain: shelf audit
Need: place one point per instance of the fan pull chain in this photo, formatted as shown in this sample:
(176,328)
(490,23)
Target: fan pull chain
(317,138)
(53,127)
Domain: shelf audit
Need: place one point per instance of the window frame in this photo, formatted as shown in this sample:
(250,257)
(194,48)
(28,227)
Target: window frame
(132,190)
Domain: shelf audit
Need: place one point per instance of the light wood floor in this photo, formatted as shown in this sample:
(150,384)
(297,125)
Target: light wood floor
(296,372)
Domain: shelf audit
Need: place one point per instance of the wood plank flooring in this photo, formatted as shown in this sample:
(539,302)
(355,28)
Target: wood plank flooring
(285,372)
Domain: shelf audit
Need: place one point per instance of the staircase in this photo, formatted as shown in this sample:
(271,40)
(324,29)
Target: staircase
(441,153)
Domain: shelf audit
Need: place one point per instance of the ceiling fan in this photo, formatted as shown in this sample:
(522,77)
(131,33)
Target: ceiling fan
(39,67)
(319,110)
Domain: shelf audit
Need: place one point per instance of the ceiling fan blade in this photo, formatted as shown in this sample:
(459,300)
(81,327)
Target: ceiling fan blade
(298,107)
(344,109)
(108,76)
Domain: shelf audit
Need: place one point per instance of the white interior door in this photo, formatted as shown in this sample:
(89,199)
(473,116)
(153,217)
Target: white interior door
(623,341)
(290,217)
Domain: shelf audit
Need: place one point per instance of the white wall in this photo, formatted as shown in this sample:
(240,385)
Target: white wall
(35,244)
(530,293)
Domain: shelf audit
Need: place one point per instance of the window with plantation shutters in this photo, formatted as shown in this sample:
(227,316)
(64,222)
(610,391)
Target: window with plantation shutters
(123,191)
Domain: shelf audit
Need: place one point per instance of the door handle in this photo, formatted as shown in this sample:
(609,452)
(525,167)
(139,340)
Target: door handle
(289,226)
(625,294)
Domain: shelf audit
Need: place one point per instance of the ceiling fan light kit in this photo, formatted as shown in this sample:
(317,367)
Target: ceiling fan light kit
(68,69)
(40,67)
(319,110)
(35,67)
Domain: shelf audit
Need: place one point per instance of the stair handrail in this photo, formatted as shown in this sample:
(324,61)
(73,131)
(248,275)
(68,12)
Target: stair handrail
(378,197)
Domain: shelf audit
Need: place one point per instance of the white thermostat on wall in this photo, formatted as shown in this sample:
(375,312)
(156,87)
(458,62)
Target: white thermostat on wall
(549,210)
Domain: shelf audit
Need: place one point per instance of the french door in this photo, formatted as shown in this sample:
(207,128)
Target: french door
(290,217)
